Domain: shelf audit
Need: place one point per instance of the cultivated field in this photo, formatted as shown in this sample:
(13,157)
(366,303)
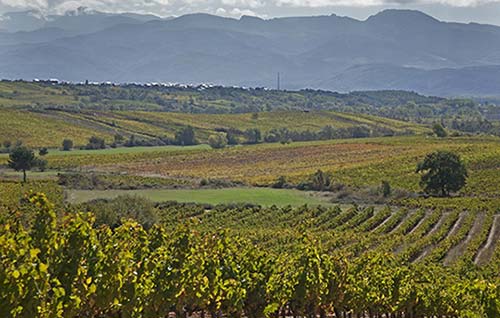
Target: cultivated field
(149,231)
(48,128)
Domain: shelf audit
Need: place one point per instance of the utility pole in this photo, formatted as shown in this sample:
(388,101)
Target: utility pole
(279,79)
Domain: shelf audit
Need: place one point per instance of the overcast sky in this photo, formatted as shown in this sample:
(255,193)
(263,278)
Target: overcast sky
(483,11)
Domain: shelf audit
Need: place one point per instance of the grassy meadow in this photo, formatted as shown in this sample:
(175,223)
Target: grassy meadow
(258,196)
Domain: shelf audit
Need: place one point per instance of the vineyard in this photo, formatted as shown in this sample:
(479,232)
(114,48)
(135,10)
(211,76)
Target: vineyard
(354,162)
(244,249)
(303,262)
(48,128)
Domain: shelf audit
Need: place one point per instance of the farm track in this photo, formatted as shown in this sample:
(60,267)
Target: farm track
(408,215)
(381,225)
(380,217)
(455,252)
(454,229)
(419,223)
(485,253)
(436,226)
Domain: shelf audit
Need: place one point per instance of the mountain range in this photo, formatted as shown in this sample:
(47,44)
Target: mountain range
(394,49)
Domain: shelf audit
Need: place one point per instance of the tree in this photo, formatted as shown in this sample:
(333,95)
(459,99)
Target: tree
(253,135)
(443,172)
(67,144)
(185,137)
(96,143)
(218,141)
(22,159)
(327,132)
(439,130)
(232,139)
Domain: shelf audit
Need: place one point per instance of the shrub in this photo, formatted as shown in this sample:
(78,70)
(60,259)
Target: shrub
(385,189)
(43,151)
(319,181)
(218,141)
(96,143)
(112,212)
(280,183)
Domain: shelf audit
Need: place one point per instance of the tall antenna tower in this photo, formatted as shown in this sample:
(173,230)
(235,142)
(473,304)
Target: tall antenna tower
(279,81)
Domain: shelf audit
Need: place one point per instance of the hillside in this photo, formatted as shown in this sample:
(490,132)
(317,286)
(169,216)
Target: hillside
(218,99)
(407,50)
(49,128)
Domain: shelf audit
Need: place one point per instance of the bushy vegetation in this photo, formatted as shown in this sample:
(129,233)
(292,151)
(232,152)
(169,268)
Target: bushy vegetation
(68,267)
(114,212)
(95,181)
(218,141)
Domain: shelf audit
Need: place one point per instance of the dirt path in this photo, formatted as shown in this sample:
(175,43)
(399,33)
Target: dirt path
(459,249)
(453,230)
(422,220)
(487,250)
(407,216)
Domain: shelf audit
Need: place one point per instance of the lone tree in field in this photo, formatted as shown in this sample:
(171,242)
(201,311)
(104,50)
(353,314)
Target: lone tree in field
(67,144)
(22,159)
(443,172)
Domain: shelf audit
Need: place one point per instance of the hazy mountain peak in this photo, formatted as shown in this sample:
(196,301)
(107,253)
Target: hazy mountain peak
(395,49)
(250,18)
(402,16)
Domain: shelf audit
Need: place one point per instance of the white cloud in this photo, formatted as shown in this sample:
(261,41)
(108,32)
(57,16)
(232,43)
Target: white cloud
(230,7)
(368,3)
(25,4)
(244,3)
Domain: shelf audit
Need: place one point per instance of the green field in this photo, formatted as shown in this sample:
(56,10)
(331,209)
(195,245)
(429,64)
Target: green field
(259,196)
(57,153)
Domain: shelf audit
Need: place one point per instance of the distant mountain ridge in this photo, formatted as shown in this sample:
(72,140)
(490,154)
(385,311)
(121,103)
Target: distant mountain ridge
(394,49)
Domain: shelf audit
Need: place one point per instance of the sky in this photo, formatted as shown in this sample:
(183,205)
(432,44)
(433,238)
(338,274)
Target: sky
(481,11)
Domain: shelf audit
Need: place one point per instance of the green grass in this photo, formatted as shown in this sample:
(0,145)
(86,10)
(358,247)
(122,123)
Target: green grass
(261,196)
(118,151)
(125,150)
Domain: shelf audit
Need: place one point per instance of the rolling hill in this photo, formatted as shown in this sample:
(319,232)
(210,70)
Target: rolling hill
(49,128)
